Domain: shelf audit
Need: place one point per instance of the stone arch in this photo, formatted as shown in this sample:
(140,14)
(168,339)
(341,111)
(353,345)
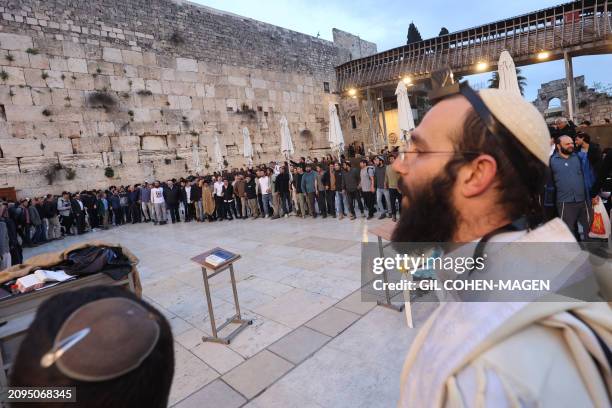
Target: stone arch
(554,103)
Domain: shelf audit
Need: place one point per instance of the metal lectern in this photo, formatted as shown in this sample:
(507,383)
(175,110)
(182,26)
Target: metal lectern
(208,271)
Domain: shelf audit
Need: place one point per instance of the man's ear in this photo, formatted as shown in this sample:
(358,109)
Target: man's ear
(478,176)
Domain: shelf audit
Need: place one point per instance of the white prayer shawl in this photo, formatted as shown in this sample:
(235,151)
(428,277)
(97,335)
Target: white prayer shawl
(455,359)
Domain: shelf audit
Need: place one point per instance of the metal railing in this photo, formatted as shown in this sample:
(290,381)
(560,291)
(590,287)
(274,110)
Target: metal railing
(579,26)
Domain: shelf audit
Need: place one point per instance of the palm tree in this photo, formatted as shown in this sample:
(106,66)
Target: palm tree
(522,81)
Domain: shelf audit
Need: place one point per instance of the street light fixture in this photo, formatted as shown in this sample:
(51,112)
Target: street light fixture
(482,65)
(352,92)
(543,55)
(407,80)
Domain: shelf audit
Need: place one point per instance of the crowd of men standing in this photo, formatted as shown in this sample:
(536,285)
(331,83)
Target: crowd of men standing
(306,188)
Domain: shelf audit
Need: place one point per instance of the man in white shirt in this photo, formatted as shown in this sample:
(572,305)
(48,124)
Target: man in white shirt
(218,194)
(266,193)
(159,204)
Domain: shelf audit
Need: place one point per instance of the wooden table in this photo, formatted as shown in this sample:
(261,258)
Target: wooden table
(215,270)
(385,231)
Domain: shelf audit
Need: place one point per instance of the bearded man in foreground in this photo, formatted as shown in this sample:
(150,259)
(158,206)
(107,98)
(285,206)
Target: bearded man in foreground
(473,172)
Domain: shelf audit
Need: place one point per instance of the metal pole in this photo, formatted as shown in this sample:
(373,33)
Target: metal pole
(384,121)
(233,278)
(371,119)
(571,91)
(211,314)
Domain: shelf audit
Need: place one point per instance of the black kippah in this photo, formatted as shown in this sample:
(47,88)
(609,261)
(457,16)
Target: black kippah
(122,334)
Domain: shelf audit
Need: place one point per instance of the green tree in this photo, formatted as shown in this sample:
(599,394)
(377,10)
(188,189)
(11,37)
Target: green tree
(522,81)
(413,34)
(443,31)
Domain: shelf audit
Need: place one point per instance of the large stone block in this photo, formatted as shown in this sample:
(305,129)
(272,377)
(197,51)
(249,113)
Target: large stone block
(77,65)
(112,55)
(119,84)
(24,113)
(15,42)
(186,64)
(72,49)
(81,160)
(39,61)
(39,163)
(15,76)
(96,144)
(129,157)
(21,96)
(9,166)
(132,57)
(56,146)
(111,158)
(154,142)
(121,143)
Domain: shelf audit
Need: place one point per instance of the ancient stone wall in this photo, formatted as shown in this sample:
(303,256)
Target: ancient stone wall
(144,87)
(590,105)
(358,47)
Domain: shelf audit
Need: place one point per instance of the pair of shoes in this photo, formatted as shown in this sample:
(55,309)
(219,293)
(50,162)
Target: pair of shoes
(155,222)
(276,217)
(363,215)
(353,217)
(370,217)
(340,216)
(286,215)
(394,218)
(382,217)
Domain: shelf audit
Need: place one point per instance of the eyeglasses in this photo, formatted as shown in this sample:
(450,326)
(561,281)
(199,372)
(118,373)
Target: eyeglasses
(409,151)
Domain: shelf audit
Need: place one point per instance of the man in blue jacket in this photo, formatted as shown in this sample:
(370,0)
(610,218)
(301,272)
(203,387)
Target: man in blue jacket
(572,185)
(309,188)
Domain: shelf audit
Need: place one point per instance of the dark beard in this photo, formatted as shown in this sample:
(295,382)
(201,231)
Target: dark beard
(430,215)
(566,151)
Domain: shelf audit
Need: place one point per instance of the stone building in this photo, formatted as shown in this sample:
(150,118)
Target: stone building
(94,93)
(590,105)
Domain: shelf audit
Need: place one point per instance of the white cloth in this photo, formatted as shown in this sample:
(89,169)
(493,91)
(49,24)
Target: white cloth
(405,118)
(188,194)
(334,136)
(264,184)
(157,195)
(218,188)
(457,330)
(506,71)
(286,141)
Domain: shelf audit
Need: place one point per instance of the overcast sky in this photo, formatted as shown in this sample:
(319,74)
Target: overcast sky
(386,23)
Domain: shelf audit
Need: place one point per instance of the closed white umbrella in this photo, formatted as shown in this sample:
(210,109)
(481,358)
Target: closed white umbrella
(248,146)
(506,72)
(217,153)
(404,111)
(195,156)
(335,137)
(286,142)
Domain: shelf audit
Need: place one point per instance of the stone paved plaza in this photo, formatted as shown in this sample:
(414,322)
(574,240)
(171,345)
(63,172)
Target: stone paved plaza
(313,343)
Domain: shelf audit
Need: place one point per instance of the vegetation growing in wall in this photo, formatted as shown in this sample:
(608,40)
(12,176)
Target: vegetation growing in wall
(44,75)
(70,173)
(51,173)
(4,75)
(10,57)
(33,51)
(176,38)
(109,172)
(246,110)
(144,92)
(101,100)
(46,112)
